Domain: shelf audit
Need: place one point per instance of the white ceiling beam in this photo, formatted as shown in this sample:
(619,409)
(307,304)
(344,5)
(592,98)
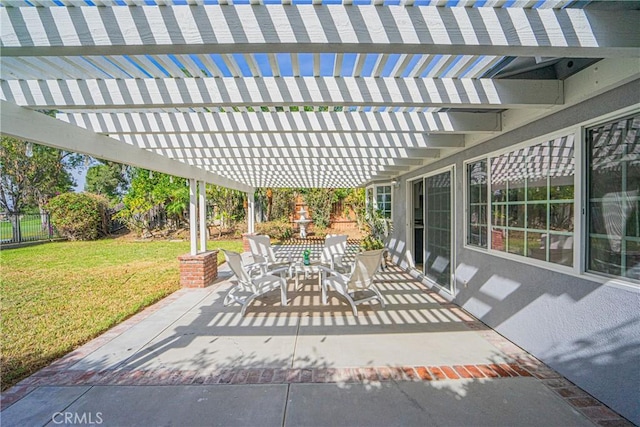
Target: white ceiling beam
(291,152)
(601,77)
(364,175)
(323,91)
(290,140)
(323,28)
(28,125)
(314,171)
(295,169)
(297,164)
(284,121)
(360,162)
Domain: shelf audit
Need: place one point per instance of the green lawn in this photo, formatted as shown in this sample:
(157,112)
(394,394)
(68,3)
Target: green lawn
(56,296)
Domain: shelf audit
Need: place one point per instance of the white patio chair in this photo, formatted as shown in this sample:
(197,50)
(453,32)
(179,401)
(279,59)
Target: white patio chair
(264,257)
(335,247)
(357,287)
(250,287)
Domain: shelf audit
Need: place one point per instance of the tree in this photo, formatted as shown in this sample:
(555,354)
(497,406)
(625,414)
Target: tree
(108,179)
(28,182)
(355,200)
(229,204)
(154,190)
(320,201)
(282,204)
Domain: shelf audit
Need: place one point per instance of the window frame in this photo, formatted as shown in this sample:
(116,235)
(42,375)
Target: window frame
(585,160)
(466,198)
(575,269)
(580,261)
(374,201)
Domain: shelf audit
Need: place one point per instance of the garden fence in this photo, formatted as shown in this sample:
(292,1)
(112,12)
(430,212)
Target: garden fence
(22,228)
(26,228)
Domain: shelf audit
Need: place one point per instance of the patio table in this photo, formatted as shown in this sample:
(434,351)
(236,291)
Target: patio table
(315,266)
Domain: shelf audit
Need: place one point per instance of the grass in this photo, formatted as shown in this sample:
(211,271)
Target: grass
(57,296)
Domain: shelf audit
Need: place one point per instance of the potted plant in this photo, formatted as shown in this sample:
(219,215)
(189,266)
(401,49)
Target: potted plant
(377,229)
(371,243)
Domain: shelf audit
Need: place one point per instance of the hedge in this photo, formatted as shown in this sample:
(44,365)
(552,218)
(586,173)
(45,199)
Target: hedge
(79,216)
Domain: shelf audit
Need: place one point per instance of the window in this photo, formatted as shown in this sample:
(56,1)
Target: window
(613,185)
(532,201)
(379,196)
(383,200)
(477,187)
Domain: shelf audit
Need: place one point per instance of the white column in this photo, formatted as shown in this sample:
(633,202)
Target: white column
(202,203)
(251,225)
(193,222)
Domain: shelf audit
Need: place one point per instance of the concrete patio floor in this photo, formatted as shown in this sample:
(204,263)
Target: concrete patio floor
(190,361)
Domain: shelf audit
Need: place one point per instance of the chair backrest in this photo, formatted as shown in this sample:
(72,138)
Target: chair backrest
(261,250)
(334,244)
(237,266)
(365,268)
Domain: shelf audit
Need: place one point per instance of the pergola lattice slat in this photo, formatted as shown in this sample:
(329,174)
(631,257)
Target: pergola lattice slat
(322,91)
(332,28)
(280,161)
(122,123)
(332,152)
(285,141)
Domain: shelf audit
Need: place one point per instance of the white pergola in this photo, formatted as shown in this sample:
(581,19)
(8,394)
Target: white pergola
(326,94)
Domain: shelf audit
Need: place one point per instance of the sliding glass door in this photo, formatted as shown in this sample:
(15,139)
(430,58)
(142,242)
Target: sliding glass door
(432,205)
(418,224)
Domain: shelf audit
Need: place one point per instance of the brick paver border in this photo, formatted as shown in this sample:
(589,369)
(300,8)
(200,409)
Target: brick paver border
(523,365)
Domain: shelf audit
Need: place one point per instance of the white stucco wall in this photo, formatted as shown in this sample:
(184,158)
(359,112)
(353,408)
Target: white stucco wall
(587,330)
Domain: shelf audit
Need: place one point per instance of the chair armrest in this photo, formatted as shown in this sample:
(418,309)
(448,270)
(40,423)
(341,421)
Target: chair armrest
(251,268)
(333,274)
(279,270)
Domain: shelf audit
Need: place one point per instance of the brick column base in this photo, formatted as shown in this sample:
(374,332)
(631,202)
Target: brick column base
(198,271)
(245,242)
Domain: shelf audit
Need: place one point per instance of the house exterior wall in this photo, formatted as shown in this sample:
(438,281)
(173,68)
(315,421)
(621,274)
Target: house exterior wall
(586,330)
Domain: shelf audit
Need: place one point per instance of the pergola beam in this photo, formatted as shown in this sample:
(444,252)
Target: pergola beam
(29,125)
(252,162)
(308,91)
(286,141)
(292,152)
(262,122)
(331,28)
(296,169)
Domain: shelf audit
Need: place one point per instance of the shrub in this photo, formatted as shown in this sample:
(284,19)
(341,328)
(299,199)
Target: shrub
(79,216)
(321,232)
(283,204)
(280,230)
(319,201)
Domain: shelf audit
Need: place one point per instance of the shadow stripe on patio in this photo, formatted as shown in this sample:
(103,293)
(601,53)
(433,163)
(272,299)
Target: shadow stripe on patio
(522,364)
